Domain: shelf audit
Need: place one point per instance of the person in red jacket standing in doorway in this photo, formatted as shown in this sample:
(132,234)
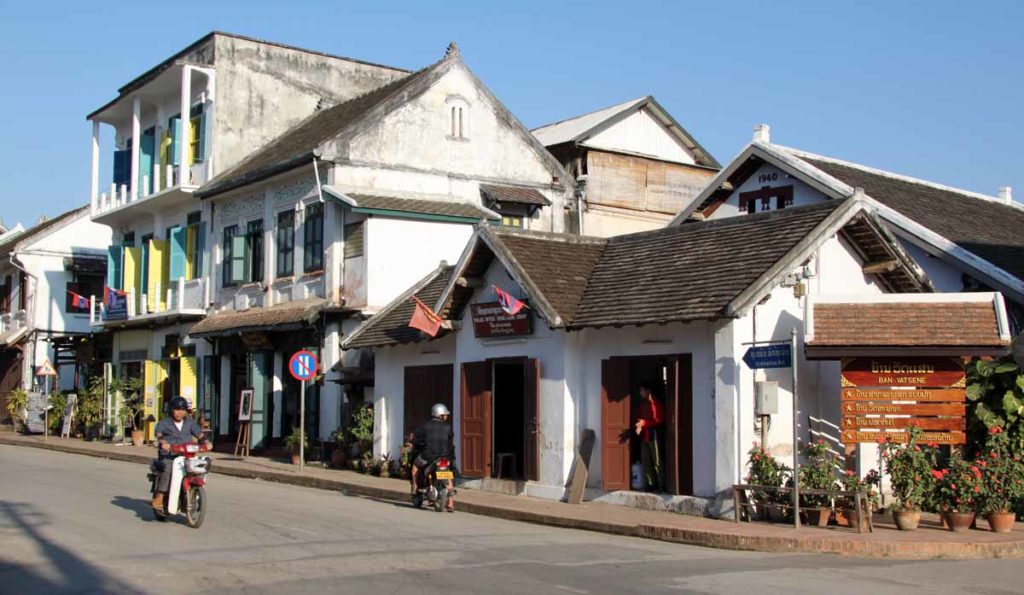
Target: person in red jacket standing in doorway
(648,427)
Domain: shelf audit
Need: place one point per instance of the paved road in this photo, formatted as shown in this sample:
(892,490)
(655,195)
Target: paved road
(74,524)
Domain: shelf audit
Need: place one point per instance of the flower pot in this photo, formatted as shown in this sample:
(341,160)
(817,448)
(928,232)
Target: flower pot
(906,520)
(818,516)
(338,459)
(296,459)
(353,464)
(776,513)
(1001,522)
(958,521)
(138,437)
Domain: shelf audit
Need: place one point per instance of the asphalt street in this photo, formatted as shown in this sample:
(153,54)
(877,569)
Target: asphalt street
(75,524)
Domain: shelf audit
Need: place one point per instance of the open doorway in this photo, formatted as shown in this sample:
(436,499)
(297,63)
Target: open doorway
(509,418)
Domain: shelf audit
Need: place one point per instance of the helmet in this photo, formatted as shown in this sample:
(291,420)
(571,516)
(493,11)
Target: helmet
(438,410)
(179,403)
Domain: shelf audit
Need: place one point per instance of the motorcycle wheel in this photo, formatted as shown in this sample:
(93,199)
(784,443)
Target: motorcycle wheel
(442,500)
(195,509)
(417,501)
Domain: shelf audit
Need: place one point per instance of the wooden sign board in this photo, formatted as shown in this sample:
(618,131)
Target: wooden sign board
(69,415)
(35,412)
(859,408)
(920,395)
(581,468)
(856,422)
(489,320)
(854,436)
(923,372)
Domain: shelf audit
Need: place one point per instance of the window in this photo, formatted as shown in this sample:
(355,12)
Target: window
(85,285)
(512,214)
(761,200)
(194,245)
(355,234)
(233,263)
(254,247)
(458,116)
(146,239)
(6,291)
(128,239)
(313,239)
(197,121)
(285,243)
(511,221)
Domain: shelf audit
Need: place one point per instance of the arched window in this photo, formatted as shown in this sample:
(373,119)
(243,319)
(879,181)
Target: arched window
(458,117)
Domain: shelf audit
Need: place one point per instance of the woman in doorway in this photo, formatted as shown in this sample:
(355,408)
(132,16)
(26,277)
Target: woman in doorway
(648,424)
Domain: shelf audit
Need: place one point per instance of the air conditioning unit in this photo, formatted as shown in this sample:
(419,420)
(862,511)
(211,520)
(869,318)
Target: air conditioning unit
(766,397)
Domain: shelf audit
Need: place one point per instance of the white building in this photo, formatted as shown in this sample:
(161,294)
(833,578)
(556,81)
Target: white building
(40,268)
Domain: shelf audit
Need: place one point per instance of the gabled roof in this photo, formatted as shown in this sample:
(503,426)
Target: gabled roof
(980,231)
(280,317)
(579,129)
(390,326)
(696,271)
(15,240)
(412,207)
(514,194)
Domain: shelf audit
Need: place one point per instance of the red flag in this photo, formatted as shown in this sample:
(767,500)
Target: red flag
(78,301)
(509,304)
(425,319)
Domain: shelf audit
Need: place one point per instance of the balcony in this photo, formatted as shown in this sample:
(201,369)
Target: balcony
(117,207)
(182,301)
(13,326)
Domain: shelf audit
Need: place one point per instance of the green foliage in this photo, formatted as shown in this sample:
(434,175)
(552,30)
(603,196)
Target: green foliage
(1003,473)
(89,409)
(59,402)
(995,389)
(293,440)
(910,469)
(132,401)
(958,486)
(17,403)
(818,472)
(766,470)
(360,429)
(869,484)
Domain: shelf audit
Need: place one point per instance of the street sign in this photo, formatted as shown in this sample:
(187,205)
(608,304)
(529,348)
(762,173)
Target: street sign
(921,395)
(857,422)
(854,436)
(919,372)
(45,369)
(303,365)
(856,408)
(769,356)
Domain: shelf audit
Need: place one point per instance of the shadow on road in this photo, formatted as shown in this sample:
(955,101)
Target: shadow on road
(73,574)
(142,508)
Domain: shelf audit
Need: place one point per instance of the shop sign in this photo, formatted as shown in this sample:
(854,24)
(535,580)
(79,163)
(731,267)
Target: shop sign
(115,304)
(857,408)
(914,372)
(490,320)
(856,422)
(920,395)
(854,436)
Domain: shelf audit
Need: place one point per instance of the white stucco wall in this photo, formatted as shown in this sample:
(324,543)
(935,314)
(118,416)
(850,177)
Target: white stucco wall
(771,176)
(642,134)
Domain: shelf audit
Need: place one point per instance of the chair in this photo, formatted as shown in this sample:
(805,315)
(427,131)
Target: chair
(501,457)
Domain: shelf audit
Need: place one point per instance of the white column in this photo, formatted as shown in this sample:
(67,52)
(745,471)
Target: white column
(330,392)
(186,106)
(133,185)
(94,186)
(225,393)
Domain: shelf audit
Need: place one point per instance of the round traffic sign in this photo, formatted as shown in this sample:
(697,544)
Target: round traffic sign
(303,365)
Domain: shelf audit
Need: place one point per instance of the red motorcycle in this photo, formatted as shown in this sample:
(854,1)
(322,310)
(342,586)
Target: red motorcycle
(188,479)
(432,485)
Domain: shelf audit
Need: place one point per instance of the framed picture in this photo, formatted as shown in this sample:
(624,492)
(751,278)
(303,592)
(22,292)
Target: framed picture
(245,405)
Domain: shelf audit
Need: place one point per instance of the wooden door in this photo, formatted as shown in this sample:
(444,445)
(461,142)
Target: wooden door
(424,386)
(531,419)
(679,425)
(11,365)
(615,424)
(475,419)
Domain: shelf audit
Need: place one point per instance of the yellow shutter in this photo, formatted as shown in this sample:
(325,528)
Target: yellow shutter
(186,144)
(187,380)
(190,251)
(158,274)
(149,389)
(165,155)
(133,272)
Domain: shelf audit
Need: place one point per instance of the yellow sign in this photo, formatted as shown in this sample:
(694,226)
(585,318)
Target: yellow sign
(46,369)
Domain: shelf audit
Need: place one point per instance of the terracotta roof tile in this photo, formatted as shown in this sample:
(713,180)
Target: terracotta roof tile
(420,206)
(514,194)
(284,316)
(942,324)
(391,325)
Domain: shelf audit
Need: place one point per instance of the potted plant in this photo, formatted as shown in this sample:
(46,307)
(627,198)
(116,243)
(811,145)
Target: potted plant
(17,407)
(58,402)
(132,406)
(360,429)
(958,489)
(367,464)
(846,508)
(818,473)
(339,456)
(293,441)
(384,465)
(89,408)
(910,475)
(1002,480)
(767,471)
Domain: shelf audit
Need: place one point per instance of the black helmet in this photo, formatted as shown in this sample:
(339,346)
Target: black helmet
(179,403)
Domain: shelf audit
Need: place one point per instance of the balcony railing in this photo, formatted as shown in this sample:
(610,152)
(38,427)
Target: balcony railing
(165,179)
(12,321)
(180,298)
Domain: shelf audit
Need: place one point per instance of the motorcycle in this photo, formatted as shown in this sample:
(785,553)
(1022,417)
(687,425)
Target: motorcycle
(432,485)
(188,480)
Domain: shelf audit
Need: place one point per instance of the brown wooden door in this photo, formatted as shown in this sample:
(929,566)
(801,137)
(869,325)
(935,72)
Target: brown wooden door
(615,424)
(424,386)
(679,425)
(531,421)
(475,422)
(11,364)
(672,434)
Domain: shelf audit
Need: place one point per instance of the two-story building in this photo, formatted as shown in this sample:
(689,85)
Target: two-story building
(174,128)
(47,273)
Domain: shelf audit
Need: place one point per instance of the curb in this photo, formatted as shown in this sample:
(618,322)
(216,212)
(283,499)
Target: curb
(918,550)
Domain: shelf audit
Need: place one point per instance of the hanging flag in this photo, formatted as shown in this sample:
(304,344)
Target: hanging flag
(425,319)
(78,301)
(509,304)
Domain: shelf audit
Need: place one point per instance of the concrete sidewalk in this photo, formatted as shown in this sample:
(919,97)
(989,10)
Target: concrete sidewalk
(928,542)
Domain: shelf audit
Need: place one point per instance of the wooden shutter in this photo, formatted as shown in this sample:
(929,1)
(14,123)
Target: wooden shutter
(122,167)
(615,424)
(177,253)
(531,421)
(115,263)
(475,419)
(174,129)
(157,266)
(424,386)
(238,259)
(201,153)
(147,150)
(188,380)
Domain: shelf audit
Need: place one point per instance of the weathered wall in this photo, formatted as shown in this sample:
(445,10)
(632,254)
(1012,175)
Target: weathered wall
(640,133)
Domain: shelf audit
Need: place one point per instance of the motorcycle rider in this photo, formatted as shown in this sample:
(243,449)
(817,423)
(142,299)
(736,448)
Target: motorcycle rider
(432,440)
(177,429)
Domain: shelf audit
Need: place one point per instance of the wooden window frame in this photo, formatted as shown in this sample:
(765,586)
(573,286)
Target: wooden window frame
(313,238)
(285,243)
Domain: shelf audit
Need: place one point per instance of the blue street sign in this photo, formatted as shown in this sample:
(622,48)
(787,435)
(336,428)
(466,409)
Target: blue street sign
(769,356)
(303,365)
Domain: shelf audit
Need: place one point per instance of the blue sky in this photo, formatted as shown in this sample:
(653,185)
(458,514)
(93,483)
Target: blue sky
(928,89)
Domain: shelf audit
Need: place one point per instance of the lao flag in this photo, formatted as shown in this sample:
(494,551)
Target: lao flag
(509,304)
(425,319)
(78,301)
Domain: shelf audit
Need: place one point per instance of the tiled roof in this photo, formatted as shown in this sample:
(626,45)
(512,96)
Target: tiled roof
(284,316)
(391,325)
(989,229)
(567,130)
(420,206)
(514,194)
(919,324)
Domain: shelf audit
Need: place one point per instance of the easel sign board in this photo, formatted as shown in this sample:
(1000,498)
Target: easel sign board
(245,405)
(69,414)
(35,412)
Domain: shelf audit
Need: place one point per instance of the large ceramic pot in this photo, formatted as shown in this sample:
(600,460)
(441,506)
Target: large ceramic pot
(1001,522)
(138,437)
(818,516)
(776,513)
(295,458)
(338,458)
(958,521)
(906,520)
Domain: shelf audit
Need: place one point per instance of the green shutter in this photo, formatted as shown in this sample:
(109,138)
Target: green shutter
(238,259)
(115,266)
(174,126)
(147,150)
(177,261)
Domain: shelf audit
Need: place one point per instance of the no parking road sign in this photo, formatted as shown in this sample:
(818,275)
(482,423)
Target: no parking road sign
(303,365)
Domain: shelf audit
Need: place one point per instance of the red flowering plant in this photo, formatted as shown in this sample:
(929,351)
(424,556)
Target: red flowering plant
(818,472)
(868,484)
(1002,473)
(766,470)
(958,487)
(910,469)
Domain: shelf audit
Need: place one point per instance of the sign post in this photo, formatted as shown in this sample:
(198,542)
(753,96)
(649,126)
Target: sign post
(46,371)
(303,366)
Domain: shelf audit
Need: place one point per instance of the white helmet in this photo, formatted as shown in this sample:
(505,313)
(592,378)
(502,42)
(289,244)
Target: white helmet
(439,410)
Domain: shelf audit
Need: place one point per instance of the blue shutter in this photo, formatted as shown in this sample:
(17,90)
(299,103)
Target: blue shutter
(175,127)
(122,167)
(147,150)
(177,259)
(115,266)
